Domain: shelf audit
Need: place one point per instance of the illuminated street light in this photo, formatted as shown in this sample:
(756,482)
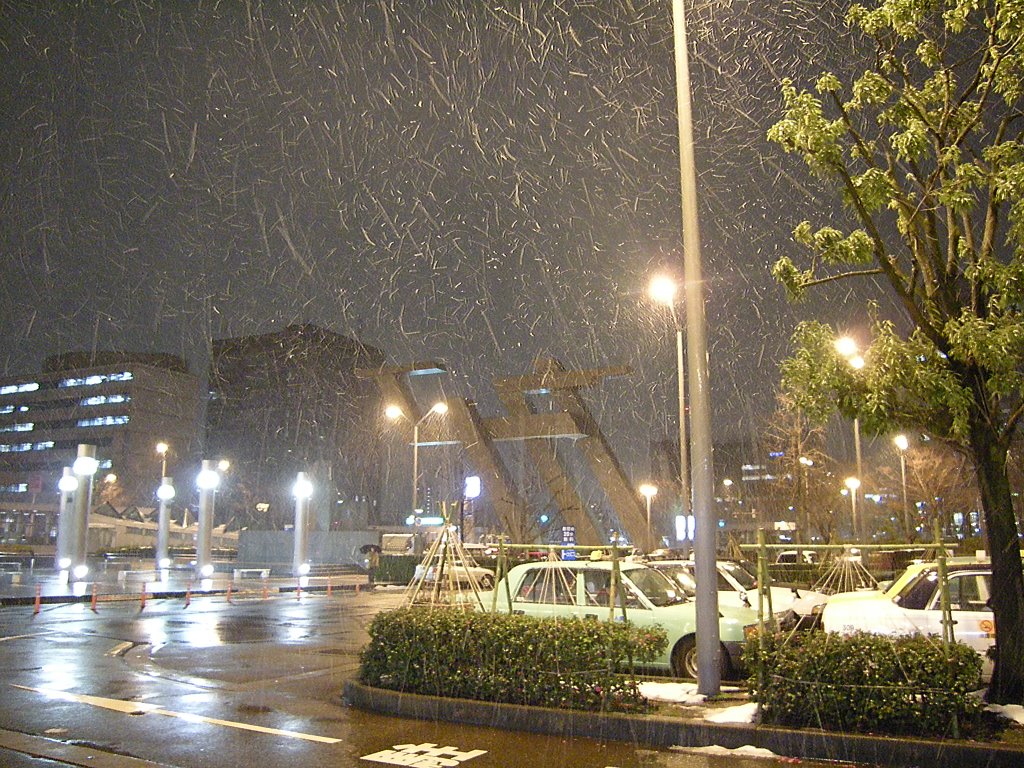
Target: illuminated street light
(648,491)
(161,449)
(165,493)
(67,485)
(853,484)
(902,444)
(207,480)
(302,491)
(847,347)
(85,467)
(663,289)
(394,412)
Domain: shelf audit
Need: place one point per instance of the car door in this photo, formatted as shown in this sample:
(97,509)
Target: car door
(973,623)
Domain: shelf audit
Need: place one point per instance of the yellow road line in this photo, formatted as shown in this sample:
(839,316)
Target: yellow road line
(138,708)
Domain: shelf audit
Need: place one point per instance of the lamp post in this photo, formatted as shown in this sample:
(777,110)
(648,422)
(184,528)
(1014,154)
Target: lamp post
(803,518)
(165,492)
(67,485)
(161,449)
(302,490)
(703,477)
(663,291)
(207,480)
(846,346)
(648,491)
(853,484)
(85,467)
(902,444)
(394,412)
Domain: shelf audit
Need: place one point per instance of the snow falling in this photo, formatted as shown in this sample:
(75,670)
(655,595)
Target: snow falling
(481,183)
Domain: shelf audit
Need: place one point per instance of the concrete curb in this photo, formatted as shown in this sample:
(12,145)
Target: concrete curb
(656,731)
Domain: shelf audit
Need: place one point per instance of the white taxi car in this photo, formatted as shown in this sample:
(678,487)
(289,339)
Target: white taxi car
(912,606)
(738,587)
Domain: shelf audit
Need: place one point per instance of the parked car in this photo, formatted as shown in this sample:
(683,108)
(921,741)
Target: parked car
(583,589)
(911,605)
(738,587)
(462,574)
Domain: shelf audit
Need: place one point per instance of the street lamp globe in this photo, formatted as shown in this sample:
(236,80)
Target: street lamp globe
(648,491)
(68,483)
(165,492)
(663,290)
(901,442)
(846,346)
(85,465)
(303,488)
(853,483)
(440,408)
(208,479)
(393,412)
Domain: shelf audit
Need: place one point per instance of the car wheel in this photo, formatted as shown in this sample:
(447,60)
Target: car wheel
(684,660)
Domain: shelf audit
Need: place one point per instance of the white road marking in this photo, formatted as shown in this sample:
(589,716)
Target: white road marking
(138,708)
(120,648)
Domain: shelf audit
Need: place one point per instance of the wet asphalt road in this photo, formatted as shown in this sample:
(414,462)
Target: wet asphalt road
(249,683)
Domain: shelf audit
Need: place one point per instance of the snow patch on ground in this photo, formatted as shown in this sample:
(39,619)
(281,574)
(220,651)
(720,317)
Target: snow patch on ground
(678,693)
(1013,712)
(745,751)
(744,713)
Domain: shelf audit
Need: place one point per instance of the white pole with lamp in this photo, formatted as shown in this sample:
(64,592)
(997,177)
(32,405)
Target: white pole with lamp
(302,491)
(207,480)
(85,467)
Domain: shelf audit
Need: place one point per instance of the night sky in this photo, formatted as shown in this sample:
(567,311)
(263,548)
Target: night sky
(476,182)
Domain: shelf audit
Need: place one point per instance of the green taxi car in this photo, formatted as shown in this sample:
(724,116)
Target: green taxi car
(583,589)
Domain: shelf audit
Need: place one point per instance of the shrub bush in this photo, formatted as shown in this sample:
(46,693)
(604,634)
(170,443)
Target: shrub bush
(866,683)
(571,664)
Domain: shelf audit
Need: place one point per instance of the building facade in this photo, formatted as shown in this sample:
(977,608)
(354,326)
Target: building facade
(290,401)
(122,403)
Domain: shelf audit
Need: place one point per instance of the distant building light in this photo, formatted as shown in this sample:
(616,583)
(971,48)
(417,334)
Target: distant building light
(10,389)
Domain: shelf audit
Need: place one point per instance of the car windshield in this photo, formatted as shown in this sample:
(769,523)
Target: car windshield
(656,587)
(739,574)
(681,575)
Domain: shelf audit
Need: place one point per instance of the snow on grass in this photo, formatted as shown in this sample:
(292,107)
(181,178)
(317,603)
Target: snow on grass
(743,713)
(745,751)
(1014,712)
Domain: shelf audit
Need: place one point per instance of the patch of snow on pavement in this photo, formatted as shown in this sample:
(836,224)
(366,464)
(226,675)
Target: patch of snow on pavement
(679,693)
(745,751)
(744,713)
(1013,712)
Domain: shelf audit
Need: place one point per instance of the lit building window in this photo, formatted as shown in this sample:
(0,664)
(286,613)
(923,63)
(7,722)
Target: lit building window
(6,409)
(15,447)
(102,421)
(104,400)
(26,427)
(14,488)
(45,445)
(90,381)
(10,389)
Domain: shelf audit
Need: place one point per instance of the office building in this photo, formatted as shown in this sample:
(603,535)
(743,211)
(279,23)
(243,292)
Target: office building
(122,403)
(290,401)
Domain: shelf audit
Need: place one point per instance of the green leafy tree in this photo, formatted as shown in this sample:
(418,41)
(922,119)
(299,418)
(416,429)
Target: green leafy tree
(925,149)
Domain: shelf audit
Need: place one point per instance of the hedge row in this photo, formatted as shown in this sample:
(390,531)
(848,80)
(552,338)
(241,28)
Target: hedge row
(570,664)
(867,683)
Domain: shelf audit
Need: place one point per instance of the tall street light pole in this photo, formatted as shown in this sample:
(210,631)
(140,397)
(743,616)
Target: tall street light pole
(394,412)
(702,472)
(302,491)
(165,492)
(648,491)
(902,444)
(663,291)
(853,485)
(847,347)
(207,480)
(84,467)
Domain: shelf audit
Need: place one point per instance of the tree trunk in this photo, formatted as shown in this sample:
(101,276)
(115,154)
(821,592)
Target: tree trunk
(989,454)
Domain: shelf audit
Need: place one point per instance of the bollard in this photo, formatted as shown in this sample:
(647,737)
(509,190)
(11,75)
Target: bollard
(230,585)
(357,588)
(39,600)
(266,594)
(188,594)
(92,601)
(298,589)
(142,598)
(328,586)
